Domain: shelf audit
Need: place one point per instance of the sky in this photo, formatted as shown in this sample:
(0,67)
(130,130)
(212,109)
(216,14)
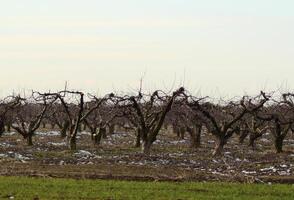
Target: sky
(212,47)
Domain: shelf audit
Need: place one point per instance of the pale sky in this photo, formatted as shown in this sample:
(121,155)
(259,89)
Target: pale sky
(221,47)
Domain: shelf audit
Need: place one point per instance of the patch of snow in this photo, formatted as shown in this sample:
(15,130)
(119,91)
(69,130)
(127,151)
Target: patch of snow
(3,155)
(83,153)
(158,142)
(84,133)
(57,144)
(4,144)
(21,157)
(49,133)
(265,140)
(119,135)
(174,155)
(18,156)
(248,172)
(9,133)
(283,173)
(179,142)
(269,169)
(218,173)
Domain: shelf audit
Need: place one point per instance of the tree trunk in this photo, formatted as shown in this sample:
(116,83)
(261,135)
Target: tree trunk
(1,131)
(97,137)
(2,127)
(30,140)
(195,134)
(79,127)
(279,144)
(198,136)
(8,127)
(146,146)
(103,132)
(44,125)
(52,125)
(243,136)
(220,143)
(165,126)
(252,142)
(252,138)
(64,129)
(85,127)
(63,132)
(138,138)
(182,132)
(72,143)
(71,137)
(111,129)
(176,130)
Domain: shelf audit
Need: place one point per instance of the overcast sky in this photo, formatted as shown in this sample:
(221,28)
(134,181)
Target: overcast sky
(218,47)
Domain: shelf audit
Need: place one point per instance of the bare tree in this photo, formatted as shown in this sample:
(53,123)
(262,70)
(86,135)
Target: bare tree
(256,129)
(280,119)
(76,113)
(98,121)
(29,116)
(150,114)
(184,120)
(6,106)
(221,120)
(57,116)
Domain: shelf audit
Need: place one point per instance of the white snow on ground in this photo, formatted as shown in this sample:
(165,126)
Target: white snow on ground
(9,133)
(178,142)
(84,154)
(268,169)
(264,140)
(57,143)
(248,172)
(4,144)
(17,156)
(20,157)
(119,135)
(2,155)
(84,133)
(49,133)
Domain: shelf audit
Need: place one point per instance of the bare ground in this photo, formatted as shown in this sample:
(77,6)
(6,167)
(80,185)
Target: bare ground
(170,160)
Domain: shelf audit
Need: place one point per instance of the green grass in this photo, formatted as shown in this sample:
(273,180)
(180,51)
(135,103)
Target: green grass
(30,188)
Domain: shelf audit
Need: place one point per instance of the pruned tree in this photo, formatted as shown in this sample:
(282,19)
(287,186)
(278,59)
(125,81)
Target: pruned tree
(221,120)
(76,112)
(98,121)
(57,116)
(149,112)
(256,129)
(7,105)
(29,115)
(185,120)
(279,117)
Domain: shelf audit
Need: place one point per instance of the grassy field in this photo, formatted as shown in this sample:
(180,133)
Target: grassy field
(39,188)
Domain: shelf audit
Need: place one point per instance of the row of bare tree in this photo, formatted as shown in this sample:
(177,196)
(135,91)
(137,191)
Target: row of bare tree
(147,114)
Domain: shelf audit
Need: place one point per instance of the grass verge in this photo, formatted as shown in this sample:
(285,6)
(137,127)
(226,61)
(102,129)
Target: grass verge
(46,188)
